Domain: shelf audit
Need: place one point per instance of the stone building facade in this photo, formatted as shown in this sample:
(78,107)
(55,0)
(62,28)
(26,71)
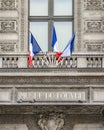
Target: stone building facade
(52,96)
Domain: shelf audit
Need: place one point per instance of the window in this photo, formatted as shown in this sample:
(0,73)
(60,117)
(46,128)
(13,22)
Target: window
(43,14)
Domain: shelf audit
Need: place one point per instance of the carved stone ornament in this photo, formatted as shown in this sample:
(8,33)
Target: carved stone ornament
(7,47)
(94,46)
(93,26)
(8,4)
(94,4)
(8,26)
(51,122)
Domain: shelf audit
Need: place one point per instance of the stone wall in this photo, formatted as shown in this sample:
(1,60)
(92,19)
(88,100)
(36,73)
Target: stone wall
(31,121)
(89,25)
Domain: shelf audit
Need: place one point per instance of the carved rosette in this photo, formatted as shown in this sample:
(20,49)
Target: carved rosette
(8,26)
(94,4)
(51,122)
(8,4)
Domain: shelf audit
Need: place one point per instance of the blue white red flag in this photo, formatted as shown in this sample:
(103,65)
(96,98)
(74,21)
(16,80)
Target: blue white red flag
(54,41)
(69,48)
(34,48)
(67,51)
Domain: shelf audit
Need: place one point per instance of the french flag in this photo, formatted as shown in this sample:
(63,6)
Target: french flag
(54,41)
(34,48)
(69,47)
(67,51)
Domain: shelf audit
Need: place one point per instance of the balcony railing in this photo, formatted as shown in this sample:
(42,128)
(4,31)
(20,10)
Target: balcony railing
(48,60)
(10,62)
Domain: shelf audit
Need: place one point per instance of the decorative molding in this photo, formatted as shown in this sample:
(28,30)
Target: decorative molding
(94,4)
(7,47)
(94,46)
(58,109)
(8,26)
(22,18)
(46,80)
(93,26)
(8,4)
(79,24)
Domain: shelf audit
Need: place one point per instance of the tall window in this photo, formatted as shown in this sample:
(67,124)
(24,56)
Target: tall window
(43,14)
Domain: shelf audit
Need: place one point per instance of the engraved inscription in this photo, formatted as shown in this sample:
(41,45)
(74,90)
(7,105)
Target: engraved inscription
(52,96)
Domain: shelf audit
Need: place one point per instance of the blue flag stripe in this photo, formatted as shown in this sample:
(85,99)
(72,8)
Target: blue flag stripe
(35,46)
(54,37)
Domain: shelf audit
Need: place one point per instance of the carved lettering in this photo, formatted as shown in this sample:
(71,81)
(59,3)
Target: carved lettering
(52,96)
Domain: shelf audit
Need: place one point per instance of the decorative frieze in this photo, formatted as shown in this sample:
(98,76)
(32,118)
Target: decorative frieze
(8,46)
(94,46)
(93,26)
(8,4)
(8,26)
(94,4)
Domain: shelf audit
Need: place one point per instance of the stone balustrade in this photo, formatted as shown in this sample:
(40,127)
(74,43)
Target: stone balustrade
(48,60)
(10,62)
(94,62)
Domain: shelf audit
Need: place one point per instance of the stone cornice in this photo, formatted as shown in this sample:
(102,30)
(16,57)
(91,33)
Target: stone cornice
(39,109)
(52,76)
(52,72)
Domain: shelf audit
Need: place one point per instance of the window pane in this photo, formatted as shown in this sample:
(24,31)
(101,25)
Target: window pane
(62,7)
(38,7)
(40,32)
(64,33)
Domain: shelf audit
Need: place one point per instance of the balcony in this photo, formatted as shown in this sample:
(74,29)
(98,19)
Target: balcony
(48,60)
